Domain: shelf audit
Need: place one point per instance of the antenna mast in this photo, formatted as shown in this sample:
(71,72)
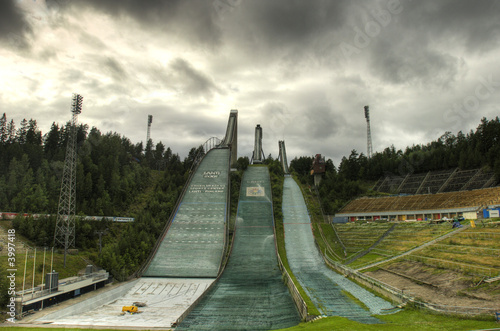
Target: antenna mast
(368,133)
(64,234)
(150,120)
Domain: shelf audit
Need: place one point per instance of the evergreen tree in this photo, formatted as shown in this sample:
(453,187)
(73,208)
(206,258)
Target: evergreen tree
(22,132)
(11,132)
(3,129)
(51,146)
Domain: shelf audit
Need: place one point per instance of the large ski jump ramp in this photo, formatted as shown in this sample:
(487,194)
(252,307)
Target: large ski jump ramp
(250,295)
(185,263)
(194,244)
(322,285)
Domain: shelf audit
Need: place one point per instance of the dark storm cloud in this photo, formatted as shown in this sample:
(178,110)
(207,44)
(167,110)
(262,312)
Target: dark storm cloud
(285,31)
(403,63)
(474,24)
(191,80)
(421,42)
(292,22)
(322,122)
(192,20)
(14,29)
(114,68)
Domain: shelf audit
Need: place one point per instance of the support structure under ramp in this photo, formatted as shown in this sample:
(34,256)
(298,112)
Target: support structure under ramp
(282,156)
(231,138)
(258,154)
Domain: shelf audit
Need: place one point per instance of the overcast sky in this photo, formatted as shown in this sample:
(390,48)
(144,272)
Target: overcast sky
(303,70)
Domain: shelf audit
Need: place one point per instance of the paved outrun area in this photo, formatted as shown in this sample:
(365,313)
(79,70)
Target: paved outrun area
(250,295)
(165,300)
(323,285)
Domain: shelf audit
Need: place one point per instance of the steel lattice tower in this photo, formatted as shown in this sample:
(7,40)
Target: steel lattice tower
(150,120)
(368,133)
(65,226)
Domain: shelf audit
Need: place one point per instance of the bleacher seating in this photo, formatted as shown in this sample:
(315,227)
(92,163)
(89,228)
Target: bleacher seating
(450,180)
(475,198)
(389,184)
(459,180)
(480,180)
(434,181)
(412,183)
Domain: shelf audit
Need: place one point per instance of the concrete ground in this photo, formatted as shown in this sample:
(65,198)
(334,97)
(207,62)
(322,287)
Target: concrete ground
(165,298)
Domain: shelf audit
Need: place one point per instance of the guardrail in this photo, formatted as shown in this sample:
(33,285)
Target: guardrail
(294,292)
(208,145)
(228,218)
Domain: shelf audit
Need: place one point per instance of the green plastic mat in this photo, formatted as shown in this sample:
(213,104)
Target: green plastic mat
(250,295)
(323,285)
(194,243)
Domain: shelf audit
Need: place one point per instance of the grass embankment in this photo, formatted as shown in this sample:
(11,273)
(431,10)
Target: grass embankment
(74,265)
(323,232)
(359,237)
(474,251)
(74,262)
(409,320)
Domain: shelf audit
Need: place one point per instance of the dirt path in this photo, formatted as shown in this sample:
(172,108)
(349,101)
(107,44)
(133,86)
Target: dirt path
(439,286)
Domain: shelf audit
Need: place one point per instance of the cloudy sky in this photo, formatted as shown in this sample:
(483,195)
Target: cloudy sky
(302,69)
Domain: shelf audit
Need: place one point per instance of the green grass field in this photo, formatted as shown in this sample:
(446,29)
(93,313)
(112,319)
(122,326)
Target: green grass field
(408,320)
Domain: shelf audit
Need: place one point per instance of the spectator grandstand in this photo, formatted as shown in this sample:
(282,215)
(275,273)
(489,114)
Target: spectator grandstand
(450,180)
(422,206)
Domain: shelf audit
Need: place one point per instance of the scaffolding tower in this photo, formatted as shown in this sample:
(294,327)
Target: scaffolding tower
(64,234)
(369,151)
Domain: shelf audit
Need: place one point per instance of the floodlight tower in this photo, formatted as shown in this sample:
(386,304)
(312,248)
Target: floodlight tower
(150,120)
(64,234)
(368,133)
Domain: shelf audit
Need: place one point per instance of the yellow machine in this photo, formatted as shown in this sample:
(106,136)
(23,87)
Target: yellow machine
(130,309)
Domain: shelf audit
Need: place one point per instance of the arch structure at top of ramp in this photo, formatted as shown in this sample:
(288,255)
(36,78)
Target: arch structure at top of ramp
(322,285)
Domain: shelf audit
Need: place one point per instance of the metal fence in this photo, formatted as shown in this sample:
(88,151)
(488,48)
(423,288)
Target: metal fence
(294,292)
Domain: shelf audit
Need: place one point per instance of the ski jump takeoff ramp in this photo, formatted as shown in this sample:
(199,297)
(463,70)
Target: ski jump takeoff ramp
(185,263)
